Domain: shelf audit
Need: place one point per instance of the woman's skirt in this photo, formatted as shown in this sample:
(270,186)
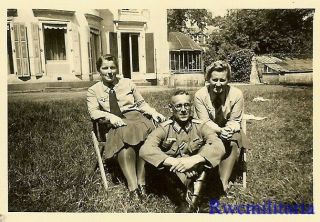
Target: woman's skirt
(133,134)
(239,138)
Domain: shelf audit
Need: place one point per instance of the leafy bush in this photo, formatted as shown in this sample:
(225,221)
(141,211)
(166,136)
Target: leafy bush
(240,62)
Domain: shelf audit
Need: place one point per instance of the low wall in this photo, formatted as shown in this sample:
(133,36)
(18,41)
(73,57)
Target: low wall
(296,79)
(189,80)
(289,78)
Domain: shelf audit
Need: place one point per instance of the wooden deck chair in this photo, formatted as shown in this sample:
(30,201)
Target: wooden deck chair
(242,161)
(100,128)
(243,156)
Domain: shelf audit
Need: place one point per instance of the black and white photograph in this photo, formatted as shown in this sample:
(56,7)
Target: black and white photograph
(198,110)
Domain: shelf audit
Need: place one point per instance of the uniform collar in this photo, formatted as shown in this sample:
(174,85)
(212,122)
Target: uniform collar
(106,88)
(178,128)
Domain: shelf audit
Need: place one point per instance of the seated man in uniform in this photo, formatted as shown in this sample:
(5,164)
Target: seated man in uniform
(183,149)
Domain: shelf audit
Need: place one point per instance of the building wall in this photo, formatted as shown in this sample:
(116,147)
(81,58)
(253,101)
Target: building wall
(77,27)
(158,18)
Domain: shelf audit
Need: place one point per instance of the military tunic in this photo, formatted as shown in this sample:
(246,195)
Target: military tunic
(195,138)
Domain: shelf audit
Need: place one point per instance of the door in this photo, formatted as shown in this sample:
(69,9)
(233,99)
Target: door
(130,54)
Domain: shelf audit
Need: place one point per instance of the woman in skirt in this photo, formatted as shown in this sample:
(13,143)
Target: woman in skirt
(223,105)
(117,101)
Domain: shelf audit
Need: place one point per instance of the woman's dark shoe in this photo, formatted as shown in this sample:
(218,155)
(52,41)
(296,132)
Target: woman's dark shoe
(143,190)
(135,195)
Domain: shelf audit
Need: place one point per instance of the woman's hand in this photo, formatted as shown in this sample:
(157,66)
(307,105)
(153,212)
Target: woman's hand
(158,117)
(191,173)
(117,121)
(226,133)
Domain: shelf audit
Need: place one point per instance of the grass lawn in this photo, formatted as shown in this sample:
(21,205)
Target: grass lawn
(51,155)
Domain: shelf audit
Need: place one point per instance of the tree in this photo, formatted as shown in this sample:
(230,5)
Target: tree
(188,20)
(264,31)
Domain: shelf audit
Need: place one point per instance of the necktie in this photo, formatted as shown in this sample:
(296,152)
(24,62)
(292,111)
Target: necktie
(217,103)
(113,102)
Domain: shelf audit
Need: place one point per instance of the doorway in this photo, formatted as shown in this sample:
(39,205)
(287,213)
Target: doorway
(130,54)
(9,51)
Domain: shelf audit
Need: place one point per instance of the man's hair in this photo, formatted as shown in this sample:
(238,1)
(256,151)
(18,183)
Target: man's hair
(107,57)
(219,66)
(180,92)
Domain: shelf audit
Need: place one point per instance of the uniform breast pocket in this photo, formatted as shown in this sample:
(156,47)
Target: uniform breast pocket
(168,144)
(196,144)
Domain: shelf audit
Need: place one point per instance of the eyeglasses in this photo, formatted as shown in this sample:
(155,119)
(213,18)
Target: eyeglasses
(186,106)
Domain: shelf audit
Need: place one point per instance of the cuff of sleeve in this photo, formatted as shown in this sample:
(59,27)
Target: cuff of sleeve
(212,158)
(157,160)
(235,127)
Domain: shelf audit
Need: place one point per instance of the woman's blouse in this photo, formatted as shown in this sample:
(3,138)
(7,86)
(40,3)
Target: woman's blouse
(229,114)
(127,95)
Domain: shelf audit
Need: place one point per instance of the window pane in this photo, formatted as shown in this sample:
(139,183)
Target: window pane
(185,61)
(176,59)
(17,47)
(54,40)
(22,33)
(190,62)
(24,50)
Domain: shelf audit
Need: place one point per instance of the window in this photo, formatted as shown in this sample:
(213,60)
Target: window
(12,12)
(55,41)
(185,61)
(267,69)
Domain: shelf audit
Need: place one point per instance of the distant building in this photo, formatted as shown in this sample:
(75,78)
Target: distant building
(186,62)
(55,45)
(273,70)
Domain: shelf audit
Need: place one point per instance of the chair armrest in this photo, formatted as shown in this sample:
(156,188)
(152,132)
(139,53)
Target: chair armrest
(101,127)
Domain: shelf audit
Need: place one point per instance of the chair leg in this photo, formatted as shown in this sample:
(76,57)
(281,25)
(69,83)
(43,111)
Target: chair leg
(101,167)
(244,168)
(97,163)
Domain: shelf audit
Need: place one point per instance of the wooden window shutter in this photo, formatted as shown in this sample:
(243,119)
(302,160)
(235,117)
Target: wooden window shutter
(149,52)
(36,49)
(21,49)
(76,51)
(113,44)
(90,56)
